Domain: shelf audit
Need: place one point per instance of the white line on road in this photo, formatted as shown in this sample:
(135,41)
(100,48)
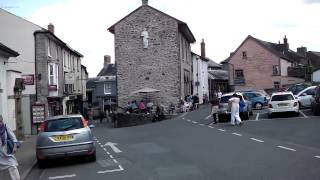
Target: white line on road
(317,157)
(108,153)
(221,130)
(115,161)
(286,148)
(210,127)
(104,149)
(201,124)
(111,156)
(237,134)
(188,120)
(194,122)
(183,118)
(208,117)
(257,117)
(62,177)
(258,140)
(303,114)
(113,170)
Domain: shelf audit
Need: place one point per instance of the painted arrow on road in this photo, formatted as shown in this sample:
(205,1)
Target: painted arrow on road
(113,147)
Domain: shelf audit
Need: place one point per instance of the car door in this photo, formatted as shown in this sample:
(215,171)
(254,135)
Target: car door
(306,97)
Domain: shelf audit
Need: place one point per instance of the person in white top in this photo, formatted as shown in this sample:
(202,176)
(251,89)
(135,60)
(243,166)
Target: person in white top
(235,116)
(8,161)
(219,94)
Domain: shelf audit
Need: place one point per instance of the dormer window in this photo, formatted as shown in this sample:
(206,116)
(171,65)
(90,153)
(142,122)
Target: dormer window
(244,54)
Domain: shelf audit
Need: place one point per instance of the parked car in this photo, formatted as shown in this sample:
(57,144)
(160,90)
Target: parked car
(225,114)
(283,102)
(257,99)
(305,96)
(296,88)
(64,136)
(315,102)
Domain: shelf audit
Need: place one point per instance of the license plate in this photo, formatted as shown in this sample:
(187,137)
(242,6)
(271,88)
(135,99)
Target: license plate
(283,104)
(63,138)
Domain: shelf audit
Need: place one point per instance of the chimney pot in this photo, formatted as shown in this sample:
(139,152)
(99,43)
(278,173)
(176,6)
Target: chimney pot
(51,28)
(203,48)
(144,2)
(107,60)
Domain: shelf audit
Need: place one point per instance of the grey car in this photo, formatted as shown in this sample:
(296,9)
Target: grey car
(225,114)
(64,136)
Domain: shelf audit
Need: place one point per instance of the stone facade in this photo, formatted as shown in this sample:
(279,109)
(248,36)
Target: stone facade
(159,66)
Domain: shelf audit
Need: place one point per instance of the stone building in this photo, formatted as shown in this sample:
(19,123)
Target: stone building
(58,74)
(152,49)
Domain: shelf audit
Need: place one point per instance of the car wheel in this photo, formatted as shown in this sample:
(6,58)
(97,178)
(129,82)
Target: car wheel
(41,163)
(258,106)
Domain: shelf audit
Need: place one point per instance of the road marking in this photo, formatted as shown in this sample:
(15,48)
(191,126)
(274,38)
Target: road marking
(194,122)
(183,118)
(257,117)
(208,117)
(111,156)
(113,170)
(115,161)
(62,177)
(286,148)
(258,140)
(108,153)
(317,157)
(104,149)
(188,120)
(237,134)
(303,114)
(222,130)
(113,147)
(201,124)
(210,127)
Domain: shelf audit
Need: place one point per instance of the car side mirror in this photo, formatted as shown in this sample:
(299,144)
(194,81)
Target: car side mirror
(91,126)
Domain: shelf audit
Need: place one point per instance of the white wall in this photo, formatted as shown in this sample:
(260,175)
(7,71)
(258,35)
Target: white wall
(284,64)
(316,76)
(3,92)
(17,34)
(200,67)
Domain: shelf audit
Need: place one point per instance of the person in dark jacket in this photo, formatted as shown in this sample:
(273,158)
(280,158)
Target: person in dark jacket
(214,108)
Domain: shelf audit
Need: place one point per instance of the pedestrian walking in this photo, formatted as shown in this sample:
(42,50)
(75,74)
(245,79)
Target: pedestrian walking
(214,109)
(8,147)
(234,103)
(219,94)
(101,115)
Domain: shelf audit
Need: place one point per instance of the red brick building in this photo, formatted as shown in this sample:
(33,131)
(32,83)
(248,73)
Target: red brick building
(262,65)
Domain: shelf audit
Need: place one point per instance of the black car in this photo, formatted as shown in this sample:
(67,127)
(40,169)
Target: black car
(315,102)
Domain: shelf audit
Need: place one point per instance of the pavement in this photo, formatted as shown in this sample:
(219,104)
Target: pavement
(26,158)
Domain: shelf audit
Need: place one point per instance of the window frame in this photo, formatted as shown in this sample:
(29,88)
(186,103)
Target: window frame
(236,71)
(105,88)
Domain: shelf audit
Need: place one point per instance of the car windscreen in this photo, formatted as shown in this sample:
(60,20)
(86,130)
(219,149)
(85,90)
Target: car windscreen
(282,97)
(225,99)
(63,124)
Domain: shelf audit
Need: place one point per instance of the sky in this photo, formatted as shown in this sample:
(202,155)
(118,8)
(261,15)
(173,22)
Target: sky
(223,25)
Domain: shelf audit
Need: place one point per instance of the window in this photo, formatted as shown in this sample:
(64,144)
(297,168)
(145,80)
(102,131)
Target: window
(107,88)
(244,54)
(182,47)
(49,49)
(283,97)
(239,73)
(64,59)
(276,85)
(311,92)
(275,70)
(56,51)
(53,71)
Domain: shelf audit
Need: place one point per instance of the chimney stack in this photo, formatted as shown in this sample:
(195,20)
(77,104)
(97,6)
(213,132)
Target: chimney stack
(302,51)
(107,60)
(51,28)
(203,49)
(285,43)
(144,2)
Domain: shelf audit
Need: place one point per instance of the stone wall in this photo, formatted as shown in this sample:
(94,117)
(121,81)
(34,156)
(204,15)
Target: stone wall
(157,66)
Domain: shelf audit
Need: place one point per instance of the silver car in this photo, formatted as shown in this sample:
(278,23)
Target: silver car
(64,136)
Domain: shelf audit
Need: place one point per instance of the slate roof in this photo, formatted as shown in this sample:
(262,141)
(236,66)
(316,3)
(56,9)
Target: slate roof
(91,83)
(9,52)
(183,27)
(108,70)
(280,50)
(218,74)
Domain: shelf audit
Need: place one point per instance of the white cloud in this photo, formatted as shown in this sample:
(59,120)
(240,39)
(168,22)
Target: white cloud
(223,24)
